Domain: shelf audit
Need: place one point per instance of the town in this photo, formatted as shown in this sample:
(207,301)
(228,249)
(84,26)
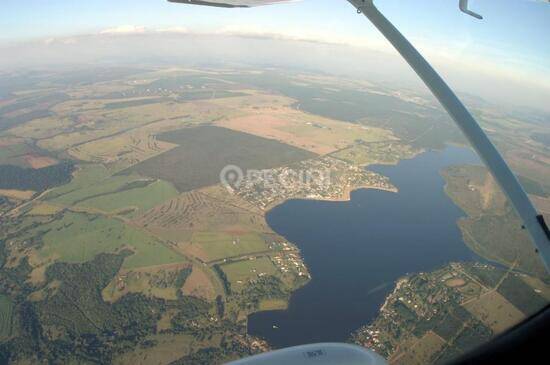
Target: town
(325,178)
(433,317)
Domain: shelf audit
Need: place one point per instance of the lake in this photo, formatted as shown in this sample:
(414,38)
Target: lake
(356,250)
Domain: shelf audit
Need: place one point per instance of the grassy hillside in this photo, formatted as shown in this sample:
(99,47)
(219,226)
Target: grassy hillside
(78,237)
(491,228)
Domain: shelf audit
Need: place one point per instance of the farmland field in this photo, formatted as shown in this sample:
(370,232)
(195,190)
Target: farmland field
(12,154)
(17,194)
(314,134)
(241,272)
(199,284)
(422,351)
(213,246)
(100,188)
(117,192)
(42,127)
(203,210)
(6,317)
(122,150)
(136,199)
(44,209)
(495,311)
(385,153)
(521,295)
(130,103)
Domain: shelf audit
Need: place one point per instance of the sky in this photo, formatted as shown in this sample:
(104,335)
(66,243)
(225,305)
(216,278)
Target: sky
(514,29)
(511,40)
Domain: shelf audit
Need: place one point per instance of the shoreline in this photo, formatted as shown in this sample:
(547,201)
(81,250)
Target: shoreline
(344,197)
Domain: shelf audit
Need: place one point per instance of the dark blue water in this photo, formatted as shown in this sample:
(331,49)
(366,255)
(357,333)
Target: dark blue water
(356,250)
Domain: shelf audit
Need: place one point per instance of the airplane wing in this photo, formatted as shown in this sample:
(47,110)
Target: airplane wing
(231,3)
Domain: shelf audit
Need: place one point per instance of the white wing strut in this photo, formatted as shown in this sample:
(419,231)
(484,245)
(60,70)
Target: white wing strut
(463,5)
(533,222)
(230,3)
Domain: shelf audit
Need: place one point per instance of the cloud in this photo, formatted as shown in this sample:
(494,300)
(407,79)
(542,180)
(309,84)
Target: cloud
(294,34)
(49,41)
(250,31)
(139,29)
(125,29)
(178,29)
